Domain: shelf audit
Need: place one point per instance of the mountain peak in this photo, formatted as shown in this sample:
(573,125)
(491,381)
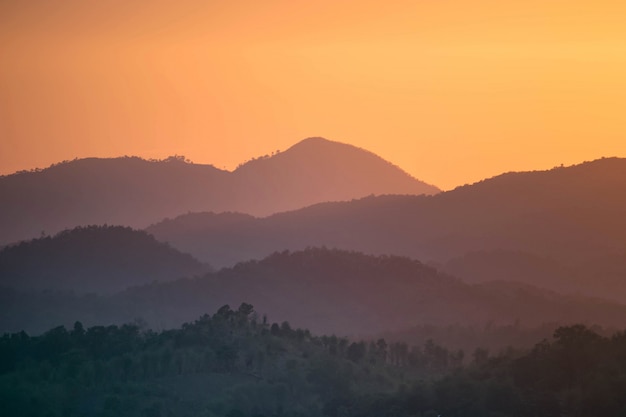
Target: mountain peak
(318,170)
(314,140)
(318,143)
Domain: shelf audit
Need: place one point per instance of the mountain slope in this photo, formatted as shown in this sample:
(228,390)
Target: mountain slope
(317,170)
(602,276)
(326,290)
(572,215)
(128,191)
(136,192)
(511,266)
(101,259)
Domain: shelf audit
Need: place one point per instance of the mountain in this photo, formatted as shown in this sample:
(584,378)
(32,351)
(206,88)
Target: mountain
(135,192)
(486,266)
(318,170)
(602,276)
(93,259)
(325,290)
(572,216)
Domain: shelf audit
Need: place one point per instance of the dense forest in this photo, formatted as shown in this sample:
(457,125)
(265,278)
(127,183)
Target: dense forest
(235,363)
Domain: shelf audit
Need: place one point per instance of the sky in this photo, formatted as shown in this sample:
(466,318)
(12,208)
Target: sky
(452,91)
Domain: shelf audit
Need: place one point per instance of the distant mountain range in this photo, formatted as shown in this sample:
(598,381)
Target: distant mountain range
(561,220)
(603,276)
(325,290)
(93,259)
(135,192)
(506,237)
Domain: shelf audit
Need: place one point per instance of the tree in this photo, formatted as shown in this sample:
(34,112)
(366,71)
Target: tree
(356,351)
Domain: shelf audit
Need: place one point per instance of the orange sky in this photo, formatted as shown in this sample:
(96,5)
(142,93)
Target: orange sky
(452,91)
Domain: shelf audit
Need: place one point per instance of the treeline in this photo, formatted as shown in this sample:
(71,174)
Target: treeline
(235,363)
(171,158)
(578,373)
(231,363)
(495,338)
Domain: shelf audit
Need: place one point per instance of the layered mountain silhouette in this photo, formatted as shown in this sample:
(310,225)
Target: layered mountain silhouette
(599,275)
(486,266)
(574,218)
(135,192)
(326,290)
(93,259)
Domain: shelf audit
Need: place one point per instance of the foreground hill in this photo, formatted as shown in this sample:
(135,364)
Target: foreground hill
(325,290)
(231,364)
(572,216)
(228,364)
(135,192)
(98,259)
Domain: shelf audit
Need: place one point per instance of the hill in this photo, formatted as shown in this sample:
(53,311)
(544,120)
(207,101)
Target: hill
(135,192)
(93,259)
(328,291)
(230,364)
(573,216)
(227,364)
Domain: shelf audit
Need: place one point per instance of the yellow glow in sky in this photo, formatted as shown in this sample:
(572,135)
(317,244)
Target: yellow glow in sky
(451,91)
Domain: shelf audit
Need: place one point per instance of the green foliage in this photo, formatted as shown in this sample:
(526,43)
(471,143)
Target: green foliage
(229,364)
(224,364)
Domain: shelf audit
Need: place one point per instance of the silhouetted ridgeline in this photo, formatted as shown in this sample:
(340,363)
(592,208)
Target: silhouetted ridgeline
(573,218)
(234,363)
(328,291)
(93,259)
(136,192)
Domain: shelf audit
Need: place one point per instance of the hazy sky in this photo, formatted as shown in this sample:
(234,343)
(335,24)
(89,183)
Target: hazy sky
(452,91)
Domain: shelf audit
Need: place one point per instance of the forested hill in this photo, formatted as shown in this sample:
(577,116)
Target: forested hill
(234,363)
(328,291)
(93,259)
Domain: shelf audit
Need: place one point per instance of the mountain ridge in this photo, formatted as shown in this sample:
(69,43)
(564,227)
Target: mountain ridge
(137,192)
(334,291)
(573,215)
